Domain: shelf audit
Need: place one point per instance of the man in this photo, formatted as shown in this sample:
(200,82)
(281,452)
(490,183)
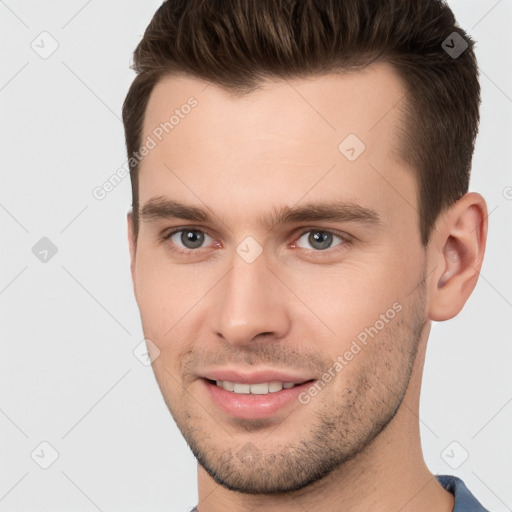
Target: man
(300,216)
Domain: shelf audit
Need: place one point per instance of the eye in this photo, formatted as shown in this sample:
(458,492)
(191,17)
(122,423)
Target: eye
(188,239)
(320,240)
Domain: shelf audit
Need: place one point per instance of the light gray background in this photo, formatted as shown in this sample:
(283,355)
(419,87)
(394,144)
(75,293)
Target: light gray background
(69,326)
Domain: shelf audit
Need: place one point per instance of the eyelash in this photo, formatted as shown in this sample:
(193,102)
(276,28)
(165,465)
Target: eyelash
(345,240)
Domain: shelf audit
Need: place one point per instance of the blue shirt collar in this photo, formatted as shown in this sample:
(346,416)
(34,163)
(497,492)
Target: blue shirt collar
(464,500)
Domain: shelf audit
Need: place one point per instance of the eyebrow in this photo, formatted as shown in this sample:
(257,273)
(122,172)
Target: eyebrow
(161,208)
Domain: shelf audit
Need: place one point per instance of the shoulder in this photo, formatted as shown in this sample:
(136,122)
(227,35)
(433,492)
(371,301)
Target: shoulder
(464,500)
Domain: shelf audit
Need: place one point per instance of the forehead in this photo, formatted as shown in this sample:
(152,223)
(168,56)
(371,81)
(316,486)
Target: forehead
(334,134)
(317,107)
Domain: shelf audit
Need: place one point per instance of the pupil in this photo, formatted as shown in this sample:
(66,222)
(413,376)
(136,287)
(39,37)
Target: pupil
(320,240)
(192,239)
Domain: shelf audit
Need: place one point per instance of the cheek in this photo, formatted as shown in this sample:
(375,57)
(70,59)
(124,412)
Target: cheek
(166,292)
(347,299)
(373,364)
(171,303)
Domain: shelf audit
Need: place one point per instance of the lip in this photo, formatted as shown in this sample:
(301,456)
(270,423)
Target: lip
(255,377)
(250,406)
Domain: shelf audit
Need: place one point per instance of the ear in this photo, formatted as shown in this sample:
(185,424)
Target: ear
(456,253)
(132,244)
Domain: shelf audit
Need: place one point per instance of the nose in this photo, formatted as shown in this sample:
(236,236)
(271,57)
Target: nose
(249,302)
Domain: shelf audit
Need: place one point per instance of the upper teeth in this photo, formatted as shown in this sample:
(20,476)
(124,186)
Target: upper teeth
(255,389)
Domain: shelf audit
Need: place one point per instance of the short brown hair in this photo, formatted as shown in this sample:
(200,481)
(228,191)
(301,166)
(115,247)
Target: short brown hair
(236,44)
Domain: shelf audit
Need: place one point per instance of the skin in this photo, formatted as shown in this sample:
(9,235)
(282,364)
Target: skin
(356,445)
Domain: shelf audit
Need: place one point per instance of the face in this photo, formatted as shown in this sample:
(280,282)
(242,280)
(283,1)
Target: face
(273,249)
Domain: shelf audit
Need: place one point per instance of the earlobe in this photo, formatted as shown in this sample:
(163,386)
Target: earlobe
(458,256)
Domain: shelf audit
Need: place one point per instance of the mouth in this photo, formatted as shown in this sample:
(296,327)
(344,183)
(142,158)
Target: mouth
(260,388)
(260,400)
